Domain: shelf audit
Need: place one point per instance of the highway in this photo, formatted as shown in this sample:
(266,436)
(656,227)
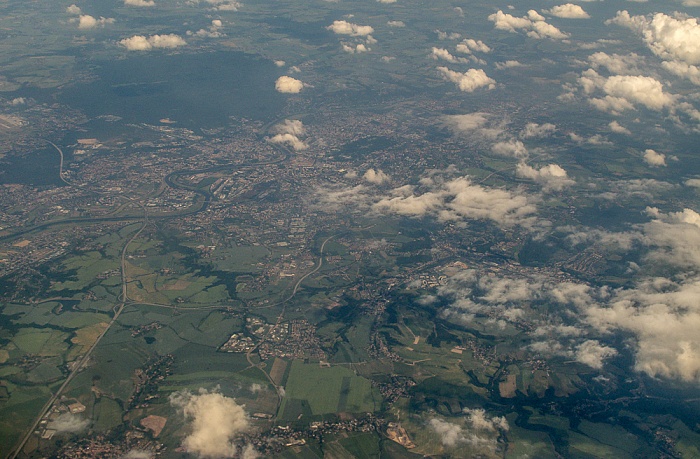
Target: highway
(86,357)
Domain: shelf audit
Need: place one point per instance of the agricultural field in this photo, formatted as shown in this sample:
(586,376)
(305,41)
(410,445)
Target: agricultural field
(312,390)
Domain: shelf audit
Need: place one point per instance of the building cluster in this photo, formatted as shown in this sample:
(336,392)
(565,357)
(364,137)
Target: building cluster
(147,379)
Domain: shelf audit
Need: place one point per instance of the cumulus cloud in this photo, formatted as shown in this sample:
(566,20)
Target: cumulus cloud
(534,130)
(568,11)
(663,316)
(593,354)
(288,133)
(469,46)
(73,9)
(618,64)
(468,81)
(660,315)
(376,176)
(459,199)
(480,431)
(450,434)
(675,39)
(479,124)
(479,420)
(617,128)
(69,423)
(348,28)
(214,422)
(669,37)
(447,36)
(289,85)
(513,148)
(676,236)
(140,3)
(551,177)
(220,5)
(295,127)
(86,22)
(143,43)
(533,24)
(683,70)
(214,30)
(508,65)
(290,140)
(623,92)
(653,158)
(395,24)
(355,48)
(441,53)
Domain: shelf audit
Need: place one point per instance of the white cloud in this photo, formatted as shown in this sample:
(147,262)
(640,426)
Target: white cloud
(532,130)
(616,63)
(639,89)
(479,420)
(469,45)
(468,81)
(513,148)
(289,85)
(335,198)
(140,3)
(214,422)
(348,28)
(376,176)
(692,182)
(220,5)
(508,65)
(593,354)
(676,237)
(395,24)
(663,315)
(669,37)
(622,92)
(68,422)
(478,124)
(683,70)
(450,434)
(295,127)
(534,25)
(459,199)
(653,158)
(441,53)
(355,48)
(142,43)
(481,431)
(73,9)
(551,177)
(447,36)
(288,132)
(290,140)
(386,1)
(86,22)
(214,30)
(568,11)
(617,128)
(664,318)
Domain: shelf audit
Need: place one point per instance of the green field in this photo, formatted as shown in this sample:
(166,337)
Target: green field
(326,390)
